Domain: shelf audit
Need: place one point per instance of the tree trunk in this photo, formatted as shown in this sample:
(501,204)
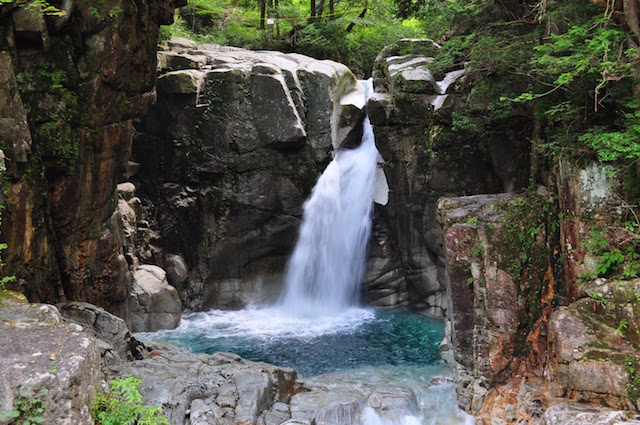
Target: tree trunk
(277,2)
(331,10)
(362,15)
(263,14)
(320,7)
(313,11)
(270,27)
(630,10)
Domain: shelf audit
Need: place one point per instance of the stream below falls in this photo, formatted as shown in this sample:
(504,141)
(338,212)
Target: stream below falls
(354,353)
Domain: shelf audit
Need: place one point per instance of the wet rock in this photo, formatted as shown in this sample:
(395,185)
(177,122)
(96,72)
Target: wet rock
(156,304)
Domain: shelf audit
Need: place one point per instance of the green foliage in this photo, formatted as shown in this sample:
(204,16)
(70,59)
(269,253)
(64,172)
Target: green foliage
(28,409)
(4,280)
(56,137)
(477,250)
(619,262)
(633,370)
(622,326)
(343,36)
(523,220)
(598,298)
(566,66)
(122,405)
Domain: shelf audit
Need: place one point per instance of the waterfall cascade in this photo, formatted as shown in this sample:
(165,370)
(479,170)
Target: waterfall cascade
(380,363)
(327,265)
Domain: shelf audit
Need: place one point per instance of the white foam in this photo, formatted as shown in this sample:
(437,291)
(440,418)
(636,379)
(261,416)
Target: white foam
(327,265)
(271,323)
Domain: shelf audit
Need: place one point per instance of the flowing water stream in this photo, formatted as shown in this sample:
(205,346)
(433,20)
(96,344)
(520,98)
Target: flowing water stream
(318,328)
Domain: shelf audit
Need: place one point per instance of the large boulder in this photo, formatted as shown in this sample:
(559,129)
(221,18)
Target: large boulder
(594,345)
(49,370)
(156,304)
(111,332)
(218,389)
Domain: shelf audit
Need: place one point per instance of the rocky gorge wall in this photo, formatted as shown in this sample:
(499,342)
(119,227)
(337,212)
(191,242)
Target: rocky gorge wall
(68,96)
(230,147)
(508,251)
(411,111)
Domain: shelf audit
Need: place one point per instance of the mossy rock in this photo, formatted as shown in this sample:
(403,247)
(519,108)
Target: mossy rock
(12,298)
(411,46)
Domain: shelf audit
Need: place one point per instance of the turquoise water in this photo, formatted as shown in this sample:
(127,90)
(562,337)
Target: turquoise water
(357,338)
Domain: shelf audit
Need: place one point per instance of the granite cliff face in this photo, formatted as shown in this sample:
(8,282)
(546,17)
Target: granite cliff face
(69,94)
(227,156)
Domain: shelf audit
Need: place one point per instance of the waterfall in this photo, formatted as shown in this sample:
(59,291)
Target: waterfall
(327,264)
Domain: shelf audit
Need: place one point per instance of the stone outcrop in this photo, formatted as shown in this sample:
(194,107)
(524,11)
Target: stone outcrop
(222,388)
(49,370)
(113,337)
(155,303)
(228,154)
(528,344)
(66,130)
(411,111)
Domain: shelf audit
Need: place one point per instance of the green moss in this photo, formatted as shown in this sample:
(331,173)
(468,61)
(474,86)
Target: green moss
(633,369)
(12,297)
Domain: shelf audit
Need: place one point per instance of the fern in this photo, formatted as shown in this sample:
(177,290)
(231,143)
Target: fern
(122,405)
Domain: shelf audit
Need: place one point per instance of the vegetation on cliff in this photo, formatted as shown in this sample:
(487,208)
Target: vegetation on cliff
(569,66)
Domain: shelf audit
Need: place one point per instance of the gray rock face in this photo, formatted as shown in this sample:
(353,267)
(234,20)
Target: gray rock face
(47,365)
(217,389)
(156,304)
(580,414)
(114,340)
(228,154)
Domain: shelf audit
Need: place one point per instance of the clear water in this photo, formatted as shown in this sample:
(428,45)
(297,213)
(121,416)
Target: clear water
(355,338)
(360,347)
